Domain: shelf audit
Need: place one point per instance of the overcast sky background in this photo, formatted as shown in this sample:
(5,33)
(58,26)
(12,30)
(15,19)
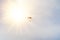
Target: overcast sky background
(45,24)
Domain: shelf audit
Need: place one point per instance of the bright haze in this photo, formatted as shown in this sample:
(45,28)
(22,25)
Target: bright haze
(44,25)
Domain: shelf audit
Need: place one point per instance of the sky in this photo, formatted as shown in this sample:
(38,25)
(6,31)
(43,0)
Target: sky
(45,25)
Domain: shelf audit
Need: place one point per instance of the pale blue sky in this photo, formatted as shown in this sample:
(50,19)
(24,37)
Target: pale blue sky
(44,26)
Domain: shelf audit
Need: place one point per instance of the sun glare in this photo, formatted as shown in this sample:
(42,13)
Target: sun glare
(15,14)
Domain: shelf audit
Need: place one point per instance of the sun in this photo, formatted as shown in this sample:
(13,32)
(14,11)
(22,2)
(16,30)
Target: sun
(15,14)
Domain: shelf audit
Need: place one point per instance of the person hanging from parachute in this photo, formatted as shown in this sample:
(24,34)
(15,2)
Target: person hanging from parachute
(29,18)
